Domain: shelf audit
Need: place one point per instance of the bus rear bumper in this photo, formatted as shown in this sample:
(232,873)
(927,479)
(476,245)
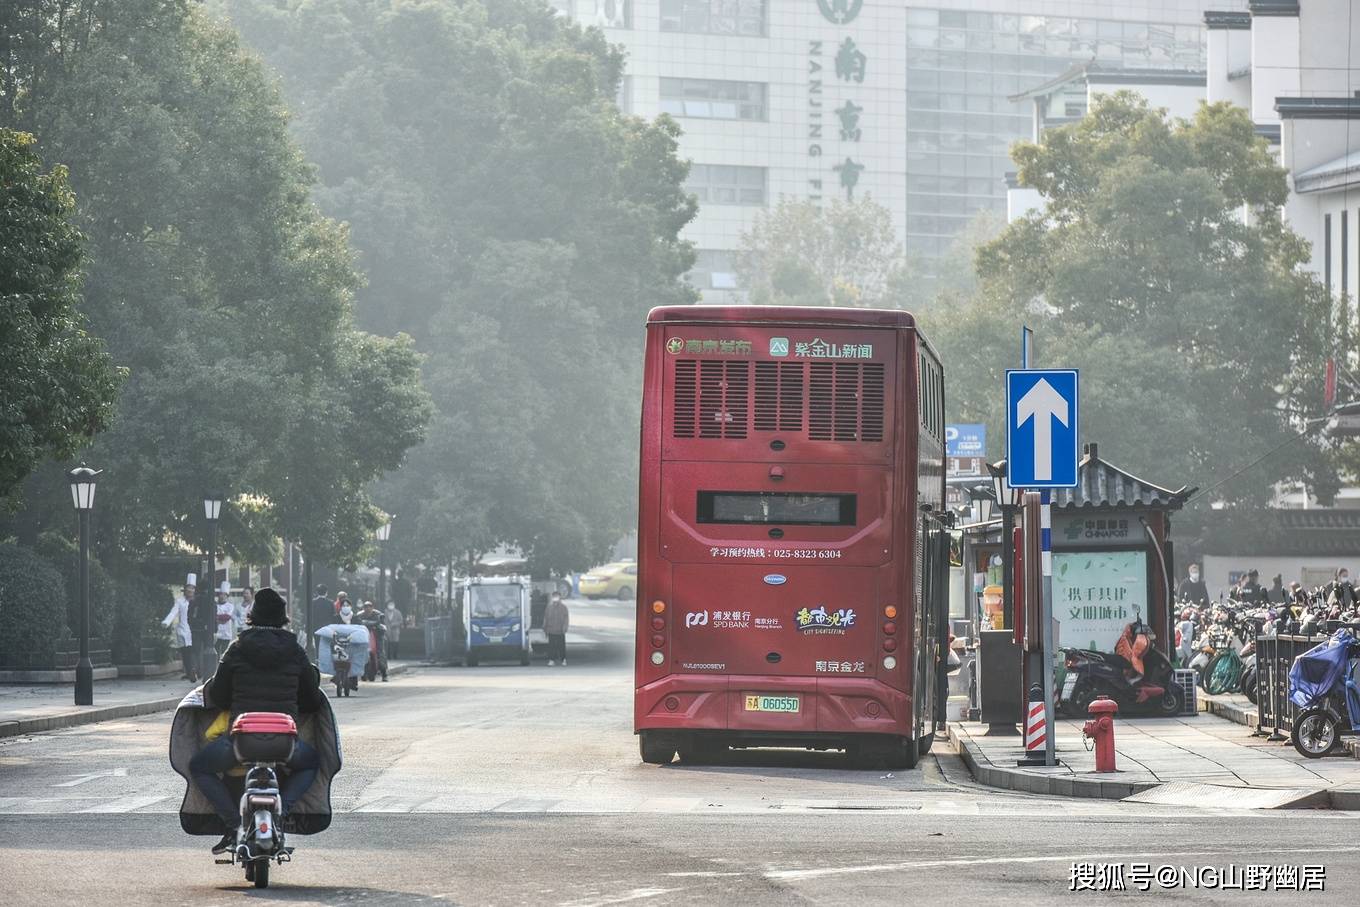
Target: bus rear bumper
(835,706)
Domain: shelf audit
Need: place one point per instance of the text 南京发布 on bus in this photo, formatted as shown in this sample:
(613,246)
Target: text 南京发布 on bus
(792,562)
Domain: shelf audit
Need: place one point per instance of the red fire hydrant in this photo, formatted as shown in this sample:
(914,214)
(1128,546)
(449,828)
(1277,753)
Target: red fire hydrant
(1101,730)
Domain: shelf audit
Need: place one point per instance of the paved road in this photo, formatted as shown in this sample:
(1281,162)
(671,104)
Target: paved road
(507,785)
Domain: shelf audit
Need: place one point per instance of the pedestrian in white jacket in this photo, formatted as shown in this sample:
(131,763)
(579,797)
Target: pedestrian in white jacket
(178,621)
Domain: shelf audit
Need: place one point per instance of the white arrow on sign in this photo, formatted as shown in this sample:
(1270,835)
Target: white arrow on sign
(1042,404)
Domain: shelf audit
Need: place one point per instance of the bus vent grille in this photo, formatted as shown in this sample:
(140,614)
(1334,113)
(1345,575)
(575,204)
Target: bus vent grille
(779,396)
(871,404)
(724,398)
(845,402)
(686,395)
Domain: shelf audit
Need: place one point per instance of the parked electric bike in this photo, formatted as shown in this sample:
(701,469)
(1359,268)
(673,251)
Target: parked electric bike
(1091,674)
(1324,683)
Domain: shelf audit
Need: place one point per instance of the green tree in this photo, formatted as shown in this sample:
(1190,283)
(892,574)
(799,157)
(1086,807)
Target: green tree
(842,254)
(58,385)
(510,218)
(1199,337)
(214,279)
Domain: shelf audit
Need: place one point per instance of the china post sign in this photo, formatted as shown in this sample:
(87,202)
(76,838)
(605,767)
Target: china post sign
(965,440)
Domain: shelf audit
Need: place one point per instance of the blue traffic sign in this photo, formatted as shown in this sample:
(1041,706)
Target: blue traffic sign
(1041,428)
(965,440)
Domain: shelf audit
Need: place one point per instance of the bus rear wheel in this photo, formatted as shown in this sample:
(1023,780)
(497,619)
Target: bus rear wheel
(656,749)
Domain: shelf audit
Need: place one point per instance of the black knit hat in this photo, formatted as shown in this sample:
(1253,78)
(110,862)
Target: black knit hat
(269,609)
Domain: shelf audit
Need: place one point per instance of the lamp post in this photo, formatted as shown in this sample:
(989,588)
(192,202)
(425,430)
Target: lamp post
(82,480)
(212,511)
(1001,490)
(384,533)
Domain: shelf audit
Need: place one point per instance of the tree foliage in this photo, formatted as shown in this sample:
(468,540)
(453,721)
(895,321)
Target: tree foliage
(842,254)
(511,219)
(1199,337)
(214,279)
(57,385)
(32,608)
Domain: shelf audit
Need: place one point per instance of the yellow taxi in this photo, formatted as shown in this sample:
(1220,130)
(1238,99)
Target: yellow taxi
(616,580)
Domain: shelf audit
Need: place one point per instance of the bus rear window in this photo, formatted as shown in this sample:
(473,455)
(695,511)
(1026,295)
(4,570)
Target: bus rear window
(760,507)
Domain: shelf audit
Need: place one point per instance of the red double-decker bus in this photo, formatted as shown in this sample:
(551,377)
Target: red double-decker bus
(792,544)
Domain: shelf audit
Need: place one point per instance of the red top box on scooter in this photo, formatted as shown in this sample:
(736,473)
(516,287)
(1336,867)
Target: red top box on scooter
(263,736)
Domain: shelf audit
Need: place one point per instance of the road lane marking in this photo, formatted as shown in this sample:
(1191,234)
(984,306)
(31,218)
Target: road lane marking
(82,779)
(637,894)
(794,875)
(125,804)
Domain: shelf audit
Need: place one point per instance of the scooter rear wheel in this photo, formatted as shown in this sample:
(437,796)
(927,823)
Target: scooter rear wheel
(1316,733)
(261,874)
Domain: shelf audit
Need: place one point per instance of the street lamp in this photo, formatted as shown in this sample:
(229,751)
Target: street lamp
(82,480)
(212,510)
(384,533)
(1002,490)
(982,500)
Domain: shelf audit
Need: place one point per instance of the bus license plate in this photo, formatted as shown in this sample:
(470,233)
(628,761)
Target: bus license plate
(771,703)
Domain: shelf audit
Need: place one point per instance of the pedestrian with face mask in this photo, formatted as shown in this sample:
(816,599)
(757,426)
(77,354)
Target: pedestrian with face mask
(227,611)
(1192,588)
(1340,591)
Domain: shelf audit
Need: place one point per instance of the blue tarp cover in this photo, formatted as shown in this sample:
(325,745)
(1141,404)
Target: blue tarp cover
(1316,671)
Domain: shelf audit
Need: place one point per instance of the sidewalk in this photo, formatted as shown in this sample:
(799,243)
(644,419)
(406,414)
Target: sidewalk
(49,707)
(1204,761)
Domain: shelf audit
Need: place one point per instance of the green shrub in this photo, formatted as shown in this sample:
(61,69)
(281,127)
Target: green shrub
(139,605)
(64,555)
(32,608)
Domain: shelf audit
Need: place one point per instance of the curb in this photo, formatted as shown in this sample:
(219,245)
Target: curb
(991,775)
(1231,712)
(23,726)
(20,727)
(1053,785)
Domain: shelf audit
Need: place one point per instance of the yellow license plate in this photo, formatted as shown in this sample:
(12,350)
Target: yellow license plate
(771,703)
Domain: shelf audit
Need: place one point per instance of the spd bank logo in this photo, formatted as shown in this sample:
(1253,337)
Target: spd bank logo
(696,619)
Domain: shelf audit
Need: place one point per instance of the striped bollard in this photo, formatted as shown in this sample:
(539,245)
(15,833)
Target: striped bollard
(1036,728)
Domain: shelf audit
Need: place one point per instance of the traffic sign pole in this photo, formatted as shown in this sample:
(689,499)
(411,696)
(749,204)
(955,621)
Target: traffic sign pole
(1046,619)
(1041,454)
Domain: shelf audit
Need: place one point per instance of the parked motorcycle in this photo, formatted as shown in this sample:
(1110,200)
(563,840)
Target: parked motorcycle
(263,742)
(1117,674)
(1324,683)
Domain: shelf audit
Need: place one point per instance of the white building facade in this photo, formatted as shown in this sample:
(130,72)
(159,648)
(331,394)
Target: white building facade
(909,102)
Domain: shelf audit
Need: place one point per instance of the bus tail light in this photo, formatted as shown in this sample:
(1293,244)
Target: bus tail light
(658,640)
(889,645)
(890,612)
(889,662)
(658,658)
(658,607)
(658,623)
(889,627)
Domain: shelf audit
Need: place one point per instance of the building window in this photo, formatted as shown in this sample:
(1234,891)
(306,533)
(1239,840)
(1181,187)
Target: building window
(1327,252)
(715,17)
(713,270)
(610,13)
(725,184)
(624,98)
(713,99)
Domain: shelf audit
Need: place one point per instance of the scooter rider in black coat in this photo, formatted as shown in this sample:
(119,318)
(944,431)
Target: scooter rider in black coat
(263,670)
